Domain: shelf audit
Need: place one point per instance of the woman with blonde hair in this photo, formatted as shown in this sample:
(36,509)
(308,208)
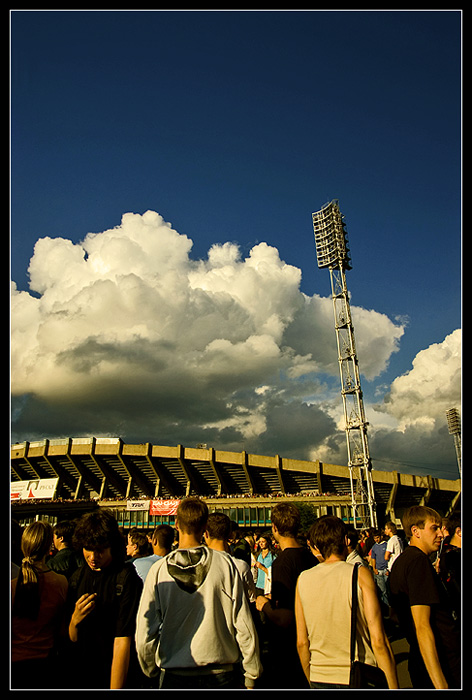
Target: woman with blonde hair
(38,604)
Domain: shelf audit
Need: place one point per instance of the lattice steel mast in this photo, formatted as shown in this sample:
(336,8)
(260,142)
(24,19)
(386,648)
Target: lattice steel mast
(332,250)
(454,426)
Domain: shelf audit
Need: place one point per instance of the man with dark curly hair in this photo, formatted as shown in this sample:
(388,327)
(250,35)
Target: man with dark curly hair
(103,597)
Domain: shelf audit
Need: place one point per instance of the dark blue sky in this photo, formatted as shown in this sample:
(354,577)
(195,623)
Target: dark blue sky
(236,126)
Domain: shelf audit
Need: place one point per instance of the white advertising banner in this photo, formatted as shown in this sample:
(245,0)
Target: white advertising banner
(137,505)
(36,488)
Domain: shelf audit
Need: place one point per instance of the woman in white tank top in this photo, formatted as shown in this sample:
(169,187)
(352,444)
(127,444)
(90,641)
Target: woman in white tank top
(323,613)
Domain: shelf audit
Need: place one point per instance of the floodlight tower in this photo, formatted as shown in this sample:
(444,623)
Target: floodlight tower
(454,425)
(332,250)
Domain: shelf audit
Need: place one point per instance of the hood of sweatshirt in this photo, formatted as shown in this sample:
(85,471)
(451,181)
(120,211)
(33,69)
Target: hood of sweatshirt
(189,567)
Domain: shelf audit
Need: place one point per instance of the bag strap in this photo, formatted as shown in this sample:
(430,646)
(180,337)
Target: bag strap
(354,612)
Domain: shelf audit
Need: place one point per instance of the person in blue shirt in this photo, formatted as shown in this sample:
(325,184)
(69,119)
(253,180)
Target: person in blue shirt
(379,565)
(161,541)
(264,562)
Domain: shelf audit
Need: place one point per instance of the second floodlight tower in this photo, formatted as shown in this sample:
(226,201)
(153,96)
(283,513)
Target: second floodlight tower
(332,250)
(454,425)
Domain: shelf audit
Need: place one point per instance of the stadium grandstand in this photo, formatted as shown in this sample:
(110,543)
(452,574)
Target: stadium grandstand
(143,483)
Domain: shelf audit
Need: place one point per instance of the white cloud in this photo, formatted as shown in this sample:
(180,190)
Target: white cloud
(312,333)
(431,387)
(129,335)
(408,430)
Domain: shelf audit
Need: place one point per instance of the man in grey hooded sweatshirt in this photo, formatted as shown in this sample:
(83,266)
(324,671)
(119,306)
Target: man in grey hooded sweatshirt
(194,623)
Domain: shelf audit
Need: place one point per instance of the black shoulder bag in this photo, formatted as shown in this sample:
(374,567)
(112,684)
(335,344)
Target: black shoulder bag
(362,675)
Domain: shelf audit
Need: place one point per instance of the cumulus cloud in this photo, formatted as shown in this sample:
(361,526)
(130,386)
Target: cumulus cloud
(409,427)
(125,334)
(431,387)
(312,335)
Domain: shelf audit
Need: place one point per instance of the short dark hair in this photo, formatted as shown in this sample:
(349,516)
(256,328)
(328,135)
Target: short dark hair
(192,515)
(65,529)
(328,535)
(286,518)
(353,536)
(218,526)
(163,535)
(139,538)
(452,523)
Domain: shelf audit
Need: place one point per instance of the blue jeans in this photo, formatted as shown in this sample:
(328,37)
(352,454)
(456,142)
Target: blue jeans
(381,581)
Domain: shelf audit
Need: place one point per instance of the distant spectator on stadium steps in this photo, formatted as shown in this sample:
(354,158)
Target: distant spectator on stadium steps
(285,670)
(161,541)
(194,622)
(103,600)
(38,612)
(66,559)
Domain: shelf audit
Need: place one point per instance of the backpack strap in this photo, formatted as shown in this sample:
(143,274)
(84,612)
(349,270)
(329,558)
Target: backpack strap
(120,579)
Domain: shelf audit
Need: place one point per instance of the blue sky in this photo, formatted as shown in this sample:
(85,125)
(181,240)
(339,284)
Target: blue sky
(234,126)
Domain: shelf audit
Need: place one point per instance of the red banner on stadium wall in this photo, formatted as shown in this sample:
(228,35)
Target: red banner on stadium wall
(166,507)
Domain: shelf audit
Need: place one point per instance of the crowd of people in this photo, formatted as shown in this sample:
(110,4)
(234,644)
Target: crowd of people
(205,606)
(273,494)
(281,494)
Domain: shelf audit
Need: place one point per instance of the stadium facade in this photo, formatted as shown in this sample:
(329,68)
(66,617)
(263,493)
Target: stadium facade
(141,483)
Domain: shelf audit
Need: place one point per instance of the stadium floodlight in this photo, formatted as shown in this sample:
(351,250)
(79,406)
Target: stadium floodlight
(332,250)
(454,426)
(332,247)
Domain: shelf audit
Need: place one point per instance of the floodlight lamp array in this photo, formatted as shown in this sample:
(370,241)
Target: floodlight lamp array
(332,247)
(453,421)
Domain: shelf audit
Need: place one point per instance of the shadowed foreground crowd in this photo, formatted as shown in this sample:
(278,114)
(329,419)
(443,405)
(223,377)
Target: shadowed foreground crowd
(219,611)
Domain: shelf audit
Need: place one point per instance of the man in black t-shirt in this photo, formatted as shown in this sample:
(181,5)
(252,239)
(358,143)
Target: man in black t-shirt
(283,669)
(450,564)
(422,606)
(103,598)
